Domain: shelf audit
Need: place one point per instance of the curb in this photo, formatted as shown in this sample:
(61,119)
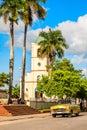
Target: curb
(12,118)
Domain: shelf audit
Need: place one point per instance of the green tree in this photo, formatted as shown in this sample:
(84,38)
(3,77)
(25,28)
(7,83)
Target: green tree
(82,93)
(52,45)
(61,83)
(26,14)
(68,83)
(64,80)
(4,79)
(16,91)
(64,64)
(9,10)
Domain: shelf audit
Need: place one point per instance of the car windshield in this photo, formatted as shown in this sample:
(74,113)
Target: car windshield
(64,101)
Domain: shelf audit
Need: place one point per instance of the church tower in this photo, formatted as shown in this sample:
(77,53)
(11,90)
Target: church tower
(38,68)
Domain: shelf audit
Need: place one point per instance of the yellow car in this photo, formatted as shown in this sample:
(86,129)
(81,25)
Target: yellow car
(65,107)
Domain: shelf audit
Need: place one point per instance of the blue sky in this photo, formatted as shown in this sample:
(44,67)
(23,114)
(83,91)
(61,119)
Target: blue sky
(70,16)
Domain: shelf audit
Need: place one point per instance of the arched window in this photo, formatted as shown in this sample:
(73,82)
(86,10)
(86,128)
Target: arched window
(38,77)
(38,52)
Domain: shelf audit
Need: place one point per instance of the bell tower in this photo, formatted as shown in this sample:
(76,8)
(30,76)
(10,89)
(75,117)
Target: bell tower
(38,68)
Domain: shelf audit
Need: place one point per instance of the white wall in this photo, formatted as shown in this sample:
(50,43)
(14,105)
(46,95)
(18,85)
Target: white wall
(36,70)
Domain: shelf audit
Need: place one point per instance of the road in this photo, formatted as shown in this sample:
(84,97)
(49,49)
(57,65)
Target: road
(47,123)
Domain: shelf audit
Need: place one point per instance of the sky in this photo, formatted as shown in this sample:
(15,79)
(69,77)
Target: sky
(69,16)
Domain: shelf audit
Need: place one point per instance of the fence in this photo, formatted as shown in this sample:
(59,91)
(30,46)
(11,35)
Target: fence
(41,104)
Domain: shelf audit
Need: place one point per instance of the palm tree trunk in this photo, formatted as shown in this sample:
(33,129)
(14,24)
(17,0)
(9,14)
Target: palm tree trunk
(23,65)
(11,64)
(49,66)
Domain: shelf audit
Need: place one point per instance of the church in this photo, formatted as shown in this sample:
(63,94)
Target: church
(38,68)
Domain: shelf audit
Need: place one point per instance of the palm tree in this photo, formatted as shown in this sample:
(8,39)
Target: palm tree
(52,45)
(26,14)
(9,10)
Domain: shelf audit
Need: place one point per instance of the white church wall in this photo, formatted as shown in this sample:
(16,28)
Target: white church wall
(38,68)
(38,64)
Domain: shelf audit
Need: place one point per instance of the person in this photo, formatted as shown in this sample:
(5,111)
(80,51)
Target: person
(20,101)
(81,106)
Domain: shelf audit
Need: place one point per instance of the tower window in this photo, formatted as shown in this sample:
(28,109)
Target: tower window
(26,89)
(39,64)
(38,77)
(38,52)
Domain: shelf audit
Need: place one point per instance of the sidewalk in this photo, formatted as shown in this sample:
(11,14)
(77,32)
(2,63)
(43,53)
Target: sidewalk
(42,115)
(12,118)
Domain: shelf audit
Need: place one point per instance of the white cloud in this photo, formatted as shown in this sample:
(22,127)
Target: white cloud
(4,28)
(75,34)
(19,33)
(19,27)
(84,71)
(31,37)
(79,59)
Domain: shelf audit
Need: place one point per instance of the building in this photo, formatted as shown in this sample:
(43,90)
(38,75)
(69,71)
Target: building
(3,94)
(38,68)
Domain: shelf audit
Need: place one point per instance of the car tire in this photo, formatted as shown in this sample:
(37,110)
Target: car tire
(70,114)
(77,114)
(63,115)
(54,115)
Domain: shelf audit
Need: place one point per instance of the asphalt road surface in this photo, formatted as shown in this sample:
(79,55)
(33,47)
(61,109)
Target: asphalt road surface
(47,123)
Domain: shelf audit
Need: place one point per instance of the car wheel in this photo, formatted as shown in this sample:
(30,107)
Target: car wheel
(77,114)
(53,115)
(63,115)
(70,114)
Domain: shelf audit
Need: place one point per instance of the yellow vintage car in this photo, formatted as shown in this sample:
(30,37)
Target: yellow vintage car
(65,107)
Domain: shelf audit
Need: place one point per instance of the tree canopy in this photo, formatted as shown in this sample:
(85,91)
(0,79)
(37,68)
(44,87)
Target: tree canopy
(16,91)
(4,79)
(52,45)
(64,80)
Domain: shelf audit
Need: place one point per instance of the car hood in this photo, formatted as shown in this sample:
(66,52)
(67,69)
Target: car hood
(60,106)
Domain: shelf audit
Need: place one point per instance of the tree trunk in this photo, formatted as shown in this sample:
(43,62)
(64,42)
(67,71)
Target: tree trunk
(49,66)
(11,62)
(23,65)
